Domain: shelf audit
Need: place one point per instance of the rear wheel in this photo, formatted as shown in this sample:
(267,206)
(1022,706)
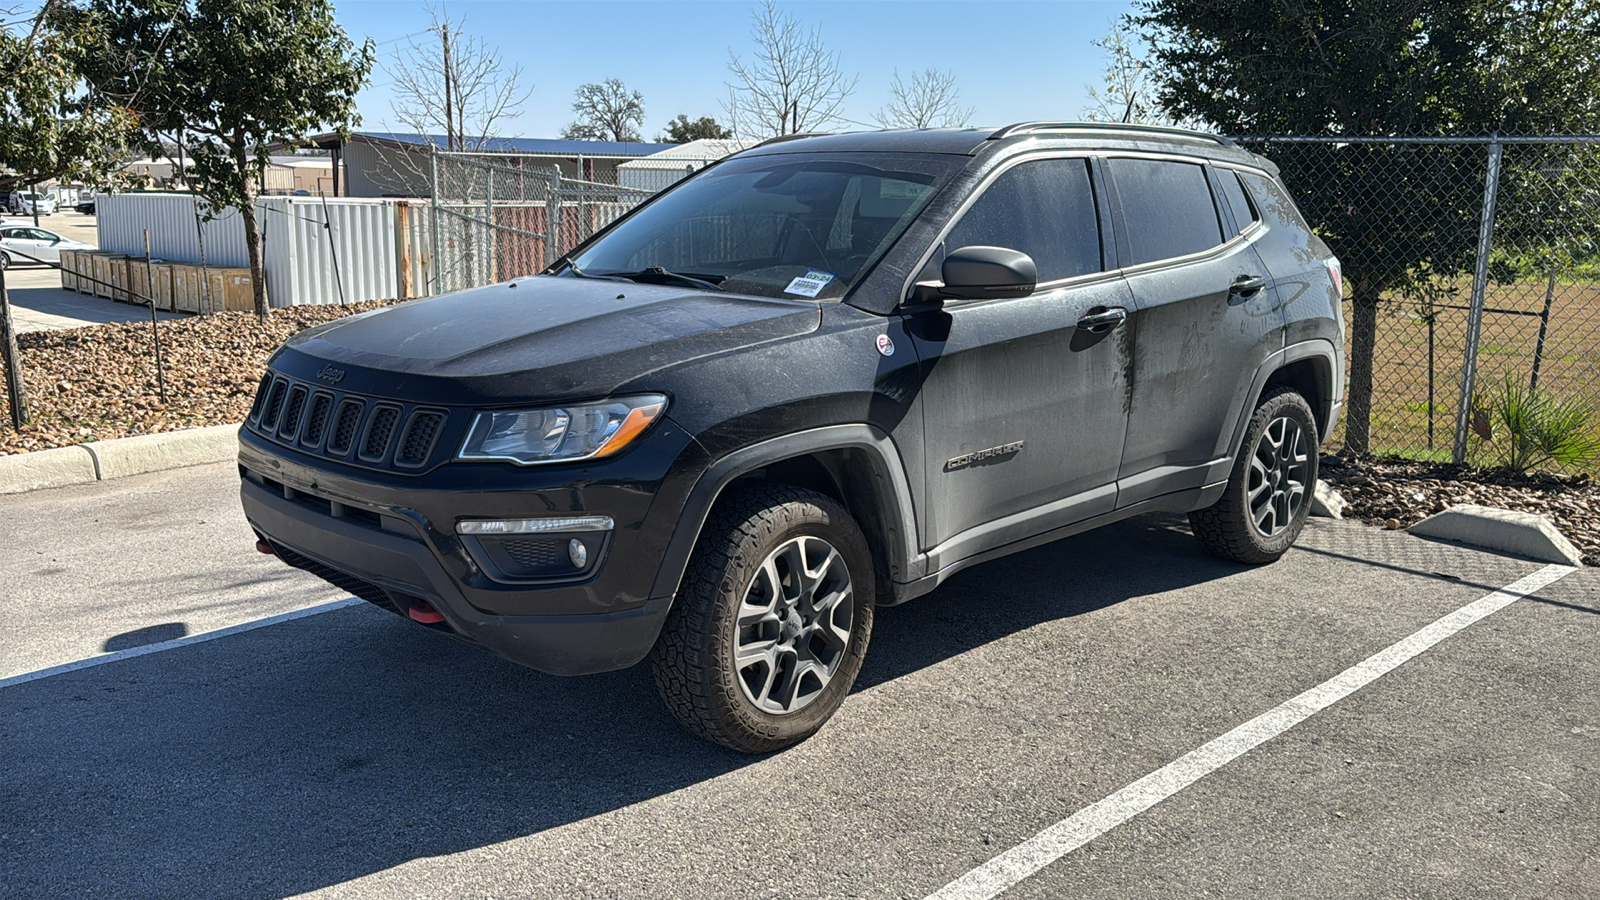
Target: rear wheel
(1268,497)
(5,261)
(769,628)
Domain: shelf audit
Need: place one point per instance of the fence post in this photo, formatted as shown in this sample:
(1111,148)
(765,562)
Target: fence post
(16,389)
(1480,280)
(434,274)
(155,333)
(494,236)
(552,218)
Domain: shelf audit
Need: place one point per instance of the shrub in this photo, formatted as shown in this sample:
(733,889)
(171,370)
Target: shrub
(1532,428)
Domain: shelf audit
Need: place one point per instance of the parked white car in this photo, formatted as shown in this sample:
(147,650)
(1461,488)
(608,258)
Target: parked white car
(23,203)
(26,244)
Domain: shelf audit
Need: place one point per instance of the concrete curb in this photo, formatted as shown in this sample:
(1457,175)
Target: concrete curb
(46,468)
(1527,535)
(117,458)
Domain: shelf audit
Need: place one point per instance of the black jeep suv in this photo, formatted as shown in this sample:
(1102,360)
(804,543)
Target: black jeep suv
(823,374)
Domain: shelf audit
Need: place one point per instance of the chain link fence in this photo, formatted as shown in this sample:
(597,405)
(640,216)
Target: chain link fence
(1472,273)
(501,216)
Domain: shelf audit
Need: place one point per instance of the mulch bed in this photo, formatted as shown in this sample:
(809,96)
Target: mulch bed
(99,381)
(1395,493)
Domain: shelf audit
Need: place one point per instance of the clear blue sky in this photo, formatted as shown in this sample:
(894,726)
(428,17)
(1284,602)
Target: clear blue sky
(1012,60)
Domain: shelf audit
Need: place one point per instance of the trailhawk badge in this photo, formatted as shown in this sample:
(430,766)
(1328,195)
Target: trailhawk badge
(885,346)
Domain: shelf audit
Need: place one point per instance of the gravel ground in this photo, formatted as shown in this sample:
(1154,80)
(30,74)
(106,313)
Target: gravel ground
(1395,493)
(99,382)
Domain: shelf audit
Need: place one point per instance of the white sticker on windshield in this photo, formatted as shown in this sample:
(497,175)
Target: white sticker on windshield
(810,284)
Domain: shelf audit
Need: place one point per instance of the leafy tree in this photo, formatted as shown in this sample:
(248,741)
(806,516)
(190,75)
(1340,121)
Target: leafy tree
(681,130)
(51,125)
(1127,91)
(790,85)
(225,78)
(1380,68)
(931,100)
(606,112)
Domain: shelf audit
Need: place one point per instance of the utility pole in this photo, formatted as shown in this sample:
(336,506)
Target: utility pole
(449,88)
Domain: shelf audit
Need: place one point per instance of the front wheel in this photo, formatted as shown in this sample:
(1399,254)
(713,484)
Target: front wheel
(1268,497)
(5,261)
(771,623)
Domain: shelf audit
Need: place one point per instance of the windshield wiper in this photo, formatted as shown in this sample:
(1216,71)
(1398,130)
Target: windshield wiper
(573,268)
(658,275)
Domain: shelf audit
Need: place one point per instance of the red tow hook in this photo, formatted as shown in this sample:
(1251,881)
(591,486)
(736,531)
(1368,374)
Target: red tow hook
(264,547)
(427,615)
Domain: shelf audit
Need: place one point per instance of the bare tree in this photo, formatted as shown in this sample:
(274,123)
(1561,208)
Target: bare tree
(606,112)
(456,84)
(790,85)
(929,101)
(1127,91)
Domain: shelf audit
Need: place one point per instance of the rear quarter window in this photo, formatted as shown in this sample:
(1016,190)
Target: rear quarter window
(1167,208)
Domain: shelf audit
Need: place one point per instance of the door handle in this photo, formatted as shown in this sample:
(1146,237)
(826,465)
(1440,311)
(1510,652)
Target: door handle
(1245,285)
(1101,320)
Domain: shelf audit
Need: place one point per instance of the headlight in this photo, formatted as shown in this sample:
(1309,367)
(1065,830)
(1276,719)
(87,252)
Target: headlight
(560,433)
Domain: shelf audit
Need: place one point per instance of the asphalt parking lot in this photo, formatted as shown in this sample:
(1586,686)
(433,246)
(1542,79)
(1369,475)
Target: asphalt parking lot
(349,753)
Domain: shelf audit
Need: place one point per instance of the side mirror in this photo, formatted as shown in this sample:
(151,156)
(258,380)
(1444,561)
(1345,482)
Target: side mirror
(981,273)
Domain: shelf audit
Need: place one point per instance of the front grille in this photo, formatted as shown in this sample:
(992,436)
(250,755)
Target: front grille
(317,421)
(344,427)
(261,396)
(340,425)
(269,415)
(379,430)
(291,413)
(418,441)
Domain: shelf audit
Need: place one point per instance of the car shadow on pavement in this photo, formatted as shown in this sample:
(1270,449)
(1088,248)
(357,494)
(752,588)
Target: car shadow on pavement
(315,752)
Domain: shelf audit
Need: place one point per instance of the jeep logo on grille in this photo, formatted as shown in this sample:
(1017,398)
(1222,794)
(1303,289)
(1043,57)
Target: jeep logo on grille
(331,375)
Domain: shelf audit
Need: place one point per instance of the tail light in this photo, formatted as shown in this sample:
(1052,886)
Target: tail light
(1336,271)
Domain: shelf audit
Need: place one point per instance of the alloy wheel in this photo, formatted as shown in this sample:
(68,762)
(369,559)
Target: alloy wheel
(1279,471)
(793,625)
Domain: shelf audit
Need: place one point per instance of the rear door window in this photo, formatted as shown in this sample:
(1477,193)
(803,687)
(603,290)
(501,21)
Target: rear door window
(1167,208)
(1043,208)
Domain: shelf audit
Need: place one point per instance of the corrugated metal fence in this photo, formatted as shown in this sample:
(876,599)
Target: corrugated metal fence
(314,250)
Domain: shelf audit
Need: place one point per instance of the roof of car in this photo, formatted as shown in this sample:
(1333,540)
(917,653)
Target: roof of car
(972,141)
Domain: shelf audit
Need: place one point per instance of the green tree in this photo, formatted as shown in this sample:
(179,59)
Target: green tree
(226,78)
(606,112)
(682,130)
(51,125)
(1380,68)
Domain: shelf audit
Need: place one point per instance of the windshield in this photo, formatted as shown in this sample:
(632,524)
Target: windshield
(792,225)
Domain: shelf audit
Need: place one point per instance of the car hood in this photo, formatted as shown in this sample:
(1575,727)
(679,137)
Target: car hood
(534,338)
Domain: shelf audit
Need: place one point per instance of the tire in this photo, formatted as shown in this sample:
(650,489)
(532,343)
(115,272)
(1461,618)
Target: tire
(748,587)
(5,261)
(1268,497)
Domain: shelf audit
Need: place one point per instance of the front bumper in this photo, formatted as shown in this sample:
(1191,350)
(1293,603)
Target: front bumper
(392,541)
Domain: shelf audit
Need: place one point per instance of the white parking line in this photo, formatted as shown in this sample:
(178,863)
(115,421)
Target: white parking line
(1000,873)
(175,643)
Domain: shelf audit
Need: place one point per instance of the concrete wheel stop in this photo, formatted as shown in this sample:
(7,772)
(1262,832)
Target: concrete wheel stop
(1523,534)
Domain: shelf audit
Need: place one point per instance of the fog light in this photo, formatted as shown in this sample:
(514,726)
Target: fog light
(578,553)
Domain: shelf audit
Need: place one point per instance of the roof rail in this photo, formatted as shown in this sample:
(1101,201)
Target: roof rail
(1036,127)
(789,137)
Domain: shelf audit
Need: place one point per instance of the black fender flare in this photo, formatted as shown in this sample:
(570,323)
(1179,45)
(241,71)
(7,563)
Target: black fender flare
(893,493)
(1316,349)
